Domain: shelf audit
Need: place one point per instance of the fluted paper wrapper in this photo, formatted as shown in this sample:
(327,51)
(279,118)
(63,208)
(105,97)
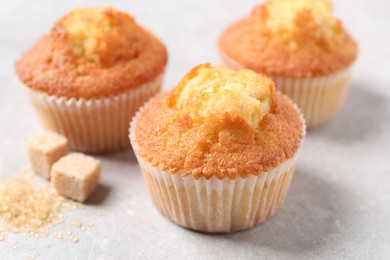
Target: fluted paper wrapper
(319,98)
(93,125)
(216,205)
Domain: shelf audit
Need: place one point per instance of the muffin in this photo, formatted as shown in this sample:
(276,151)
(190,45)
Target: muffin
(218,152)
(90,74)
(301,46)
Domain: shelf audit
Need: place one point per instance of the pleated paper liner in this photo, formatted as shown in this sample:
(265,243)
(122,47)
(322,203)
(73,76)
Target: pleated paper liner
(216,205)
(319,98)
(94,125)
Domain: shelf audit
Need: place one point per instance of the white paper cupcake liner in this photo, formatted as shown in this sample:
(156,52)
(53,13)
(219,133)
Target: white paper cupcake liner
(216,205)
(319,98)
(93,125)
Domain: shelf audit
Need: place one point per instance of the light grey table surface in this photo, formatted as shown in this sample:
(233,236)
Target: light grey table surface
(338,206)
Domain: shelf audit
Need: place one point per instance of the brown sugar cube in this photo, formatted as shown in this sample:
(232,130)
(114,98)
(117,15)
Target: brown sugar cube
(75,176)
(44,150)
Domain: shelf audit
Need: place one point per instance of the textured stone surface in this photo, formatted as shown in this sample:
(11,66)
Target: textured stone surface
(339,202)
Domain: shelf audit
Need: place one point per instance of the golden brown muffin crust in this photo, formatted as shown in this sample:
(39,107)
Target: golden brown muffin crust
(112,65)
(220,145)
(303,49)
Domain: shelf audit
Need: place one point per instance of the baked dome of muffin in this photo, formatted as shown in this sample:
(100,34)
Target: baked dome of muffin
(295,38)
(219,122)
(92,53)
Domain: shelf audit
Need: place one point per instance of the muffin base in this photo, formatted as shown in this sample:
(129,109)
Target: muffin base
(93,125)
(319,98)
(216,205)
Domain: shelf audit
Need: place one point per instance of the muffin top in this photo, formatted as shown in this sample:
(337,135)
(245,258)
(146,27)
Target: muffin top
(219,122)
(92,53)
(291,38)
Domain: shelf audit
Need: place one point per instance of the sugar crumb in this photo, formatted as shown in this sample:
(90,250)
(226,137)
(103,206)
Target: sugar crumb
(77,224)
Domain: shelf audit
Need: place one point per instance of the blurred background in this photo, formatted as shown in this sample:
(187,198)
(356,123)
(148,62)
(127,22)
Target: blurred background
(339,202)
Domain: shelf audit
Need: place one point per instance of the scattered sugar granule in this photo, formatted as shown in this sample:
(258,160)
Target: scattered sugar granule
(77,224)
(74,239)
(33,211)
(26,208)
(13,244)
(58,235)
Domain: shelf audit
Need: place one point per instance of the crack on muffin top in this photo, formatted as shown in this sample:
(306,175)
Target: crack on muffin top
(100,35)
(283,17)
(206,92)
